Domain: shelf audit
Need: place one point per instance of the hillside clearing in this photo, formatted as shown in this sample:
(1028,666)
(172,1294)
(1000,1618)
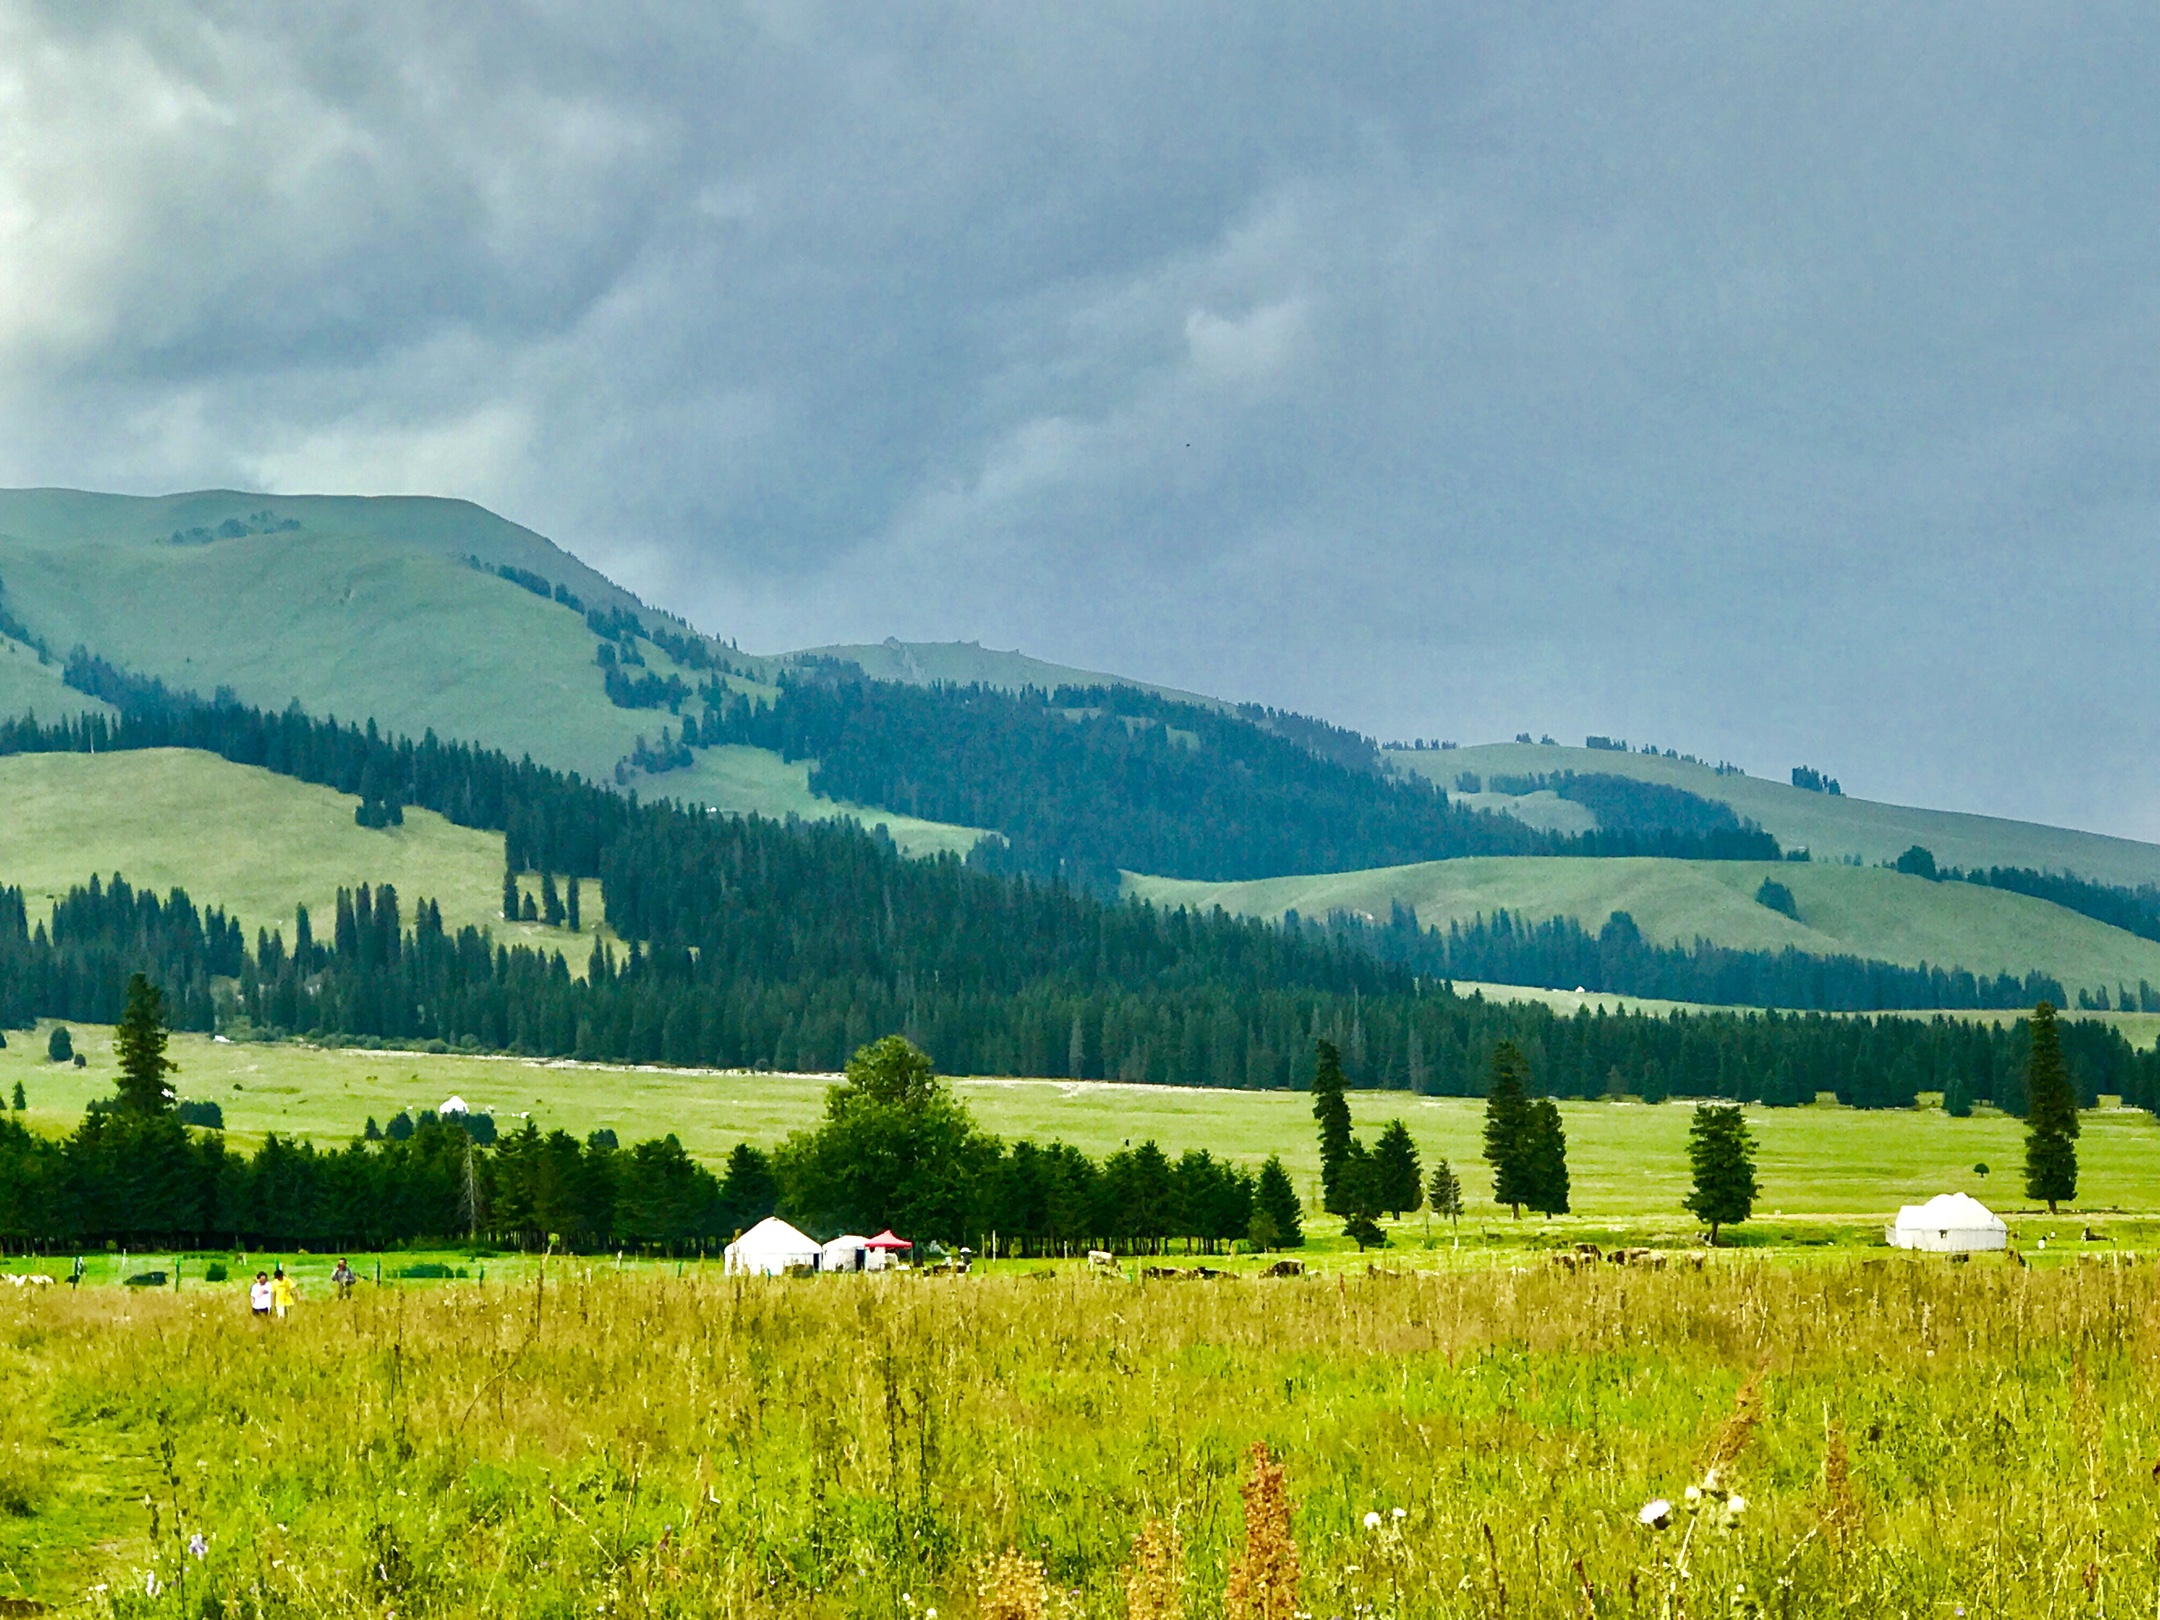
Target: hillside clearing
(1831,828)
(242,838)
(1844,910)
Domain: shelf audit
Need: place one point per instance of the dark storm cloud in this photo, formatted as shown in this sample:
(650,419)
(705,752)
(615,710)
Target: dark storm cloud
(1777,384)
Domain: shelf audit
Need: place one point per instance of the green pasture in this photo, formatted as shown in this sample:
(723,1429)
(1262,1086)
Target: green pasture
(1830,828)
(242,838)
(1627,1160)
(1843,910)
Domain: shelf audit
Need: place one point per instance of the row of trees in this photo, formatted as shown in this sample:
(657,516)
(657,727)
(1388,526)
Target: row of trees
(894,1148)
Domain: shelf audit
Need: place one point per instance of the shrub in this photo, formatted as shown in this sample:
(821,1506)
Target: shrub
(60,1045)
(1778,898)
(215,1272)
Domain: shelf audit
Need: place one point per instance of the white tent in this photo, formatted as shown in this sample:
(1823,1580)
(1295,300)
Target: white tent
(769,1248)
(1952,1223)
(850,1254)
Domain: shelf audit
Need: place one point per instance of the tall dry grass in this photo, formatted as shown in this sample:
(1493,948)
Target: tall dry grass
(1907,1438)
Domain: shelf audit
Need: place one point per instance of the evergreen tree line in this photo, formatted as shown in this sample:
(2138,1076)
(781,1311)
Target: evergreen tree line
(899,1153)
(1141,1005)
(1561,954)
(1082,782)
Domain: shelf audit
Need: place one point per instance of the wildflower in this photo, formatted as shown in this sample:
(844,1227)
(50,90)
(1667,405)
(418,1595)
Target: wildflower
(1372,1521)
(197,1547)
(1709,1480)
(150,1585)
(1401,1514)
(1656,1514)
(1735,1506)
(1693,1494)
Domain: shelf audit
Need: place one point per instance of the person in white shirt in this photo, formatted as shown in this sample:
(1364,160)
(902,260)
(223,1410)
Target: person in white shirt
(259,1294)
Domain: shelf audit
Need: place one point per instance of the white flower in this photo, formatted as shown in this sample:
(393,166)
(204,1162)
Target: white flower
(1735,1506)
(150,1585)
(1656,1514)
(1401,1514)
(197,1547)
(1693,1494)
(1372,1521)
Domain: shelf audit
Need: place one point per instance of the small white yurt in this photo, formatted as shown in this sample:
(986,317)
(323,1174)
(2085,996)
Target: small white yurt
(769,1248)
(848,1253)
(1951,1224)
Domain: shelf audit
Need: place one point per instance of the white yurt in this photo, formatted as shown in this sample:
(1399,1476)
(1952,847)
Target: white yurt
(849,1253)
(1950,1224)
(769,1248)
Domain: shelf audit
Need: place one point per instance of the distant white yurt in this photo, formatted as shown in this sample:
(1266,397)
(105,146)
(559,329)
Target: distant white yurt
(453,1107)
(848,1253)
(1950,1224)
(769,1248)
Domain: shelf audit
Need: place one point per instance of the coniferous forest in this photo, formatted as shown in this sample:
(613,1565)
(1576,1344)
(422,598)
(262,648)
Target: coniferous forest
(1084,782)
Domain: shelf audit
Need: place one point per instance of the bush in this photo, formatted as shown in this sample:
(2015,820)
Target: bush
(215,1272)
(60,1045)
(206,1114)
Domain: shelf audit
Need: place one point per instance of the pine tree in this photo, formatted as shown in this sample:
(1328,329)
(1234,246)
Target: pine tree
(1507,1118)
(1332,1110)
(570,909)
(551,906)
(1444,1191)
(60,1045)
(21,1102)
(1721,1152)
(1395,1157)
(2051,1117)
(139,1042)
(1277,1199)
(510,906)
(1545,1159)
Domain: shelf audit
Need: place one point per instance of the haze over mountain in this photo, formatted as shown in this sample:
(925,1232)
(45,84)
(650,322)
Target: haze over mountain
(1772,384)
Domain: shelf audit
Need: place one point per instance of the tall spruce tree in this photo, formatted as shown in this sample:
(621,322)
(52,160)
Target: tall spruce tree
(510,906)
(1444,1191)
(1721,1152)
(139,1043)
(1395,1158)
(1332,1110)
(2051,1116)
(1507,1118)
(571,908)
(1544,1155)
(1275,1198)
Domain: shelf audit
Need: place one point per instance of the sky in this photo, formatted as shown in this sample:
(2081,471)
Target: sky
(1778,384)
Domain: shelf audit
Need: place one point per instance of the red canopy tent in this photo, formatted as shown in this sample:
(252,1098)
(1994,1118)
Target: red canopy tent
(885,1240)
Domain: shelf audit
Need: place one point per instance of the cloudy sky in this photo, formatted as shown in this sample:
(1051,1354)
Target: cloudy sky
(1770,383)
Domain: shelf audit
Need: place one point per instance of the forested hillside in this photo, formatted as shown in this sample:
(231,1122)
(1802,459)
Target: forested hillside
(1086,782)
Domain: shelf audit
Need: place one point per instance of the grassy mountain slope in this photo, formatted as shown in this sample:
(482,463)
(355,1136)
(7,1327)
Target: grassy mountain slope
(366,610)
(1831,828)
(241,838)
(1860,911)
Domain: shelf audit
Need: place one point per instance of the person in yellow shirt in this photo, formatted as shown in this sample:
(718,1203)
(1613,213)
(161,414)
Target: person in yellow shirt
(282,1293)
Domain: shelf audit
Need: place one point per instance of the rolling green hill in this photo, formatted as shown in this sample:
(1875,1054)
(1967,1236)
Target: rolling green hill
(1860,911)
(364,609)
(238,837)
(1830,827)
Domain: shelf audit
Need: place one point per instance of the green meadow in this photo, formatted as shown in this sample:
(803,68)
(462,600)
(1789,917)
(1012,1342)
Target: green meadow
(1627,1160)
